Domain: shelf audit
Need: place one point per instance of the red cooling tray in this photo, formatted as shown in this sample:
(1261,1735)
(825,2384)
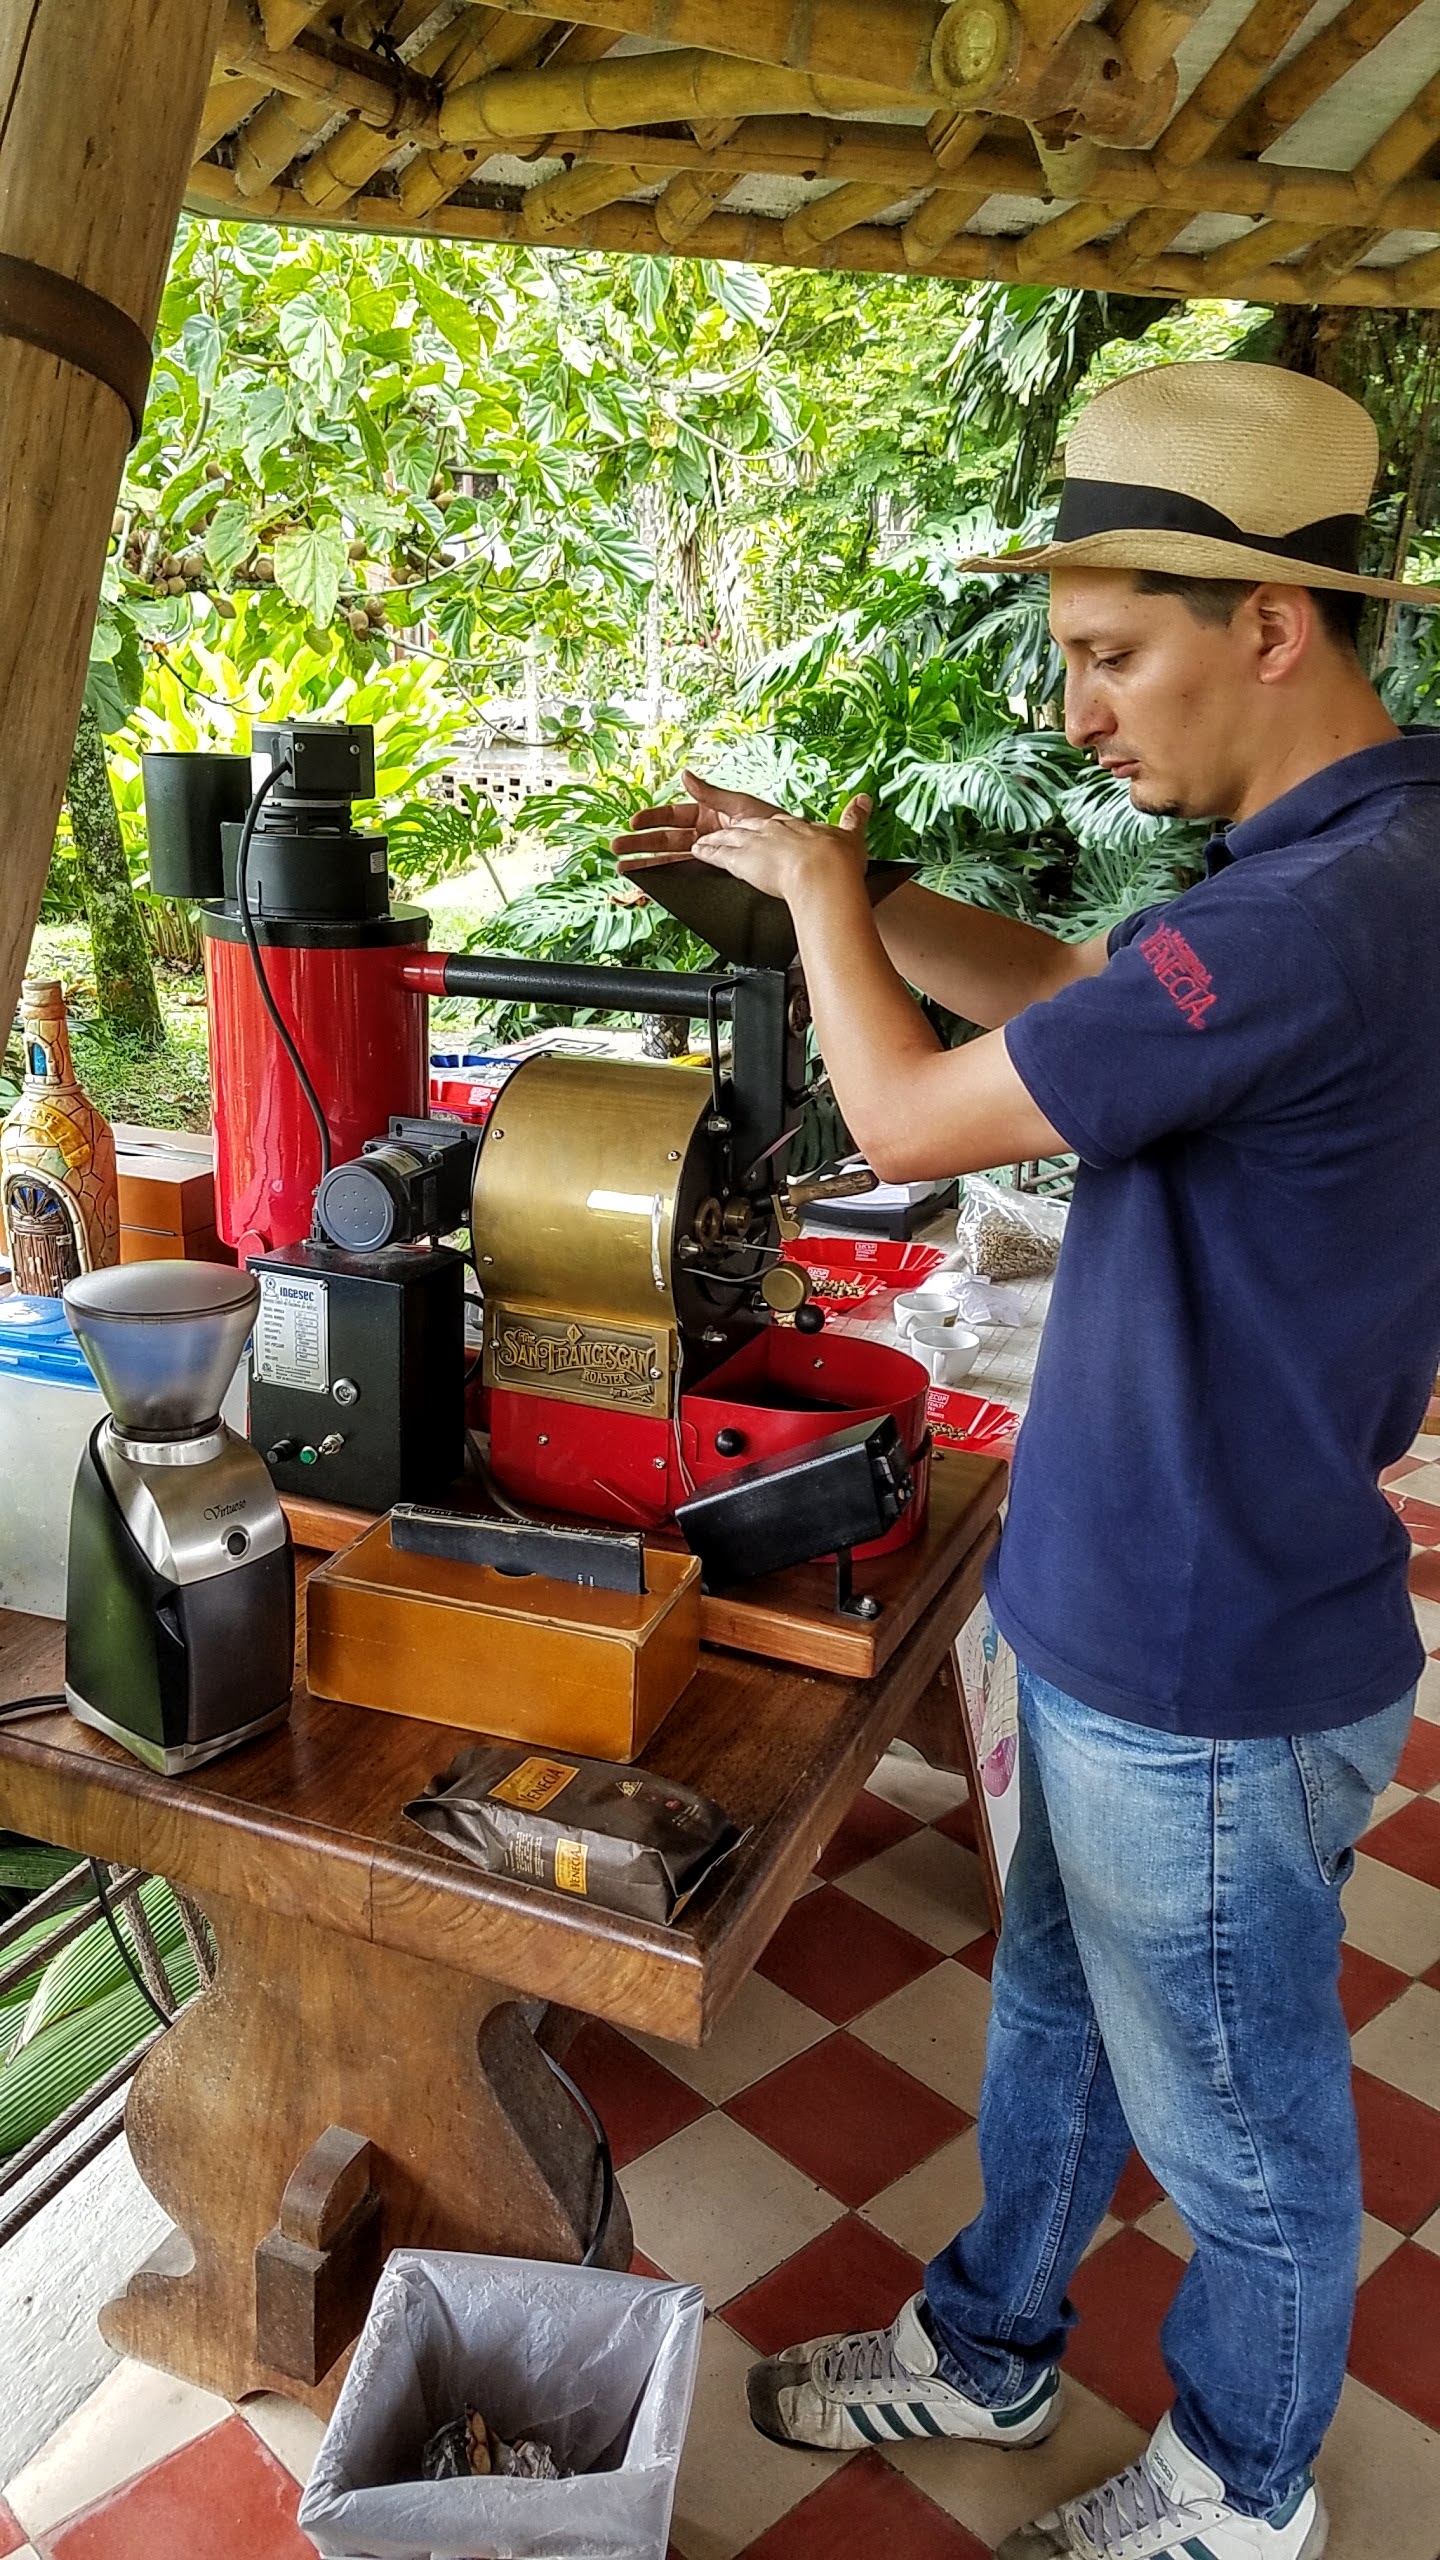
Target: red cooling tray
(849,1271)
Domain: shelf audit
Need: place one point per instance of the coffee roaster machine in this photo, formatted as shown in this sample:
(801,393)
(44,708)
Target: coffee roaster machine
(649,1349)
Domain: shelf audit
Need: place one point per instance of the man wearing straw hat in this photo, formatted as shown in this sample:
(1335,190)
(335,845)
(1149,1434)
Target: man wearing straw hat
(1203,1584)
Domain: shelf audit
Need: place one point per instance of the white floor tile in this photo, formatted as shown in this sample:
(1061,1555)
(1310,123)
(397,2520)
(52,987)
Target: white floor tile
(907,1781)
(1427,1612)
(1393,1916)
(717,2208)
(928,1885)
(1402,2045)
(1427,1696)
(1424,1484)
(1389,1801)
(1163,2223)
(1377,2243)
(733,2482)
(935,2028)
(137,2416)
(923,2210)
(991,2492)
(1380,2471)
(763,2027)
(293,2434)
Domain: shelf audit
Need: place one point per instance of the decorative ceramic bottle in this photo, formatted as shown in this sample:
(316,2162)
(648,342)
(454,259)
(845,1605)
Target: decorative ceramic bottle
(57,1159)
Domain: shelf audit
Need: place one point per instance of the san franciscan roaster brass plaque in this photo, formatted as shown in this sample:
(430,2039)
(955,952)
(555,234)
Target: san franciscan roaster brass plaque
(626,1367)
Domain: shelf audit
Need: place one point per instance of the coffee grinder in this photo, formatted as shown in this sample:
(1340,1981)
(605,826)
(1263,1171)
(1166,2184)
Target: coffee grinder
(180,1620)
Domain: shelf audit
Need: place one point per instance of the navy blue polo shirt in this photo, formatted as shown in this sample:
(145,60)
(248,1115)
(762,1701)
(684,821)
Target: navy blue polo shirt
(1245,1325)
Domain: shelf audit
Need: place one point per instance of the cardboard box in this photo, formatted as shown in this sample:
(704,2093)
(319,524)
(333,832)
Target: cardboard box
(529,1658)
(166,1181)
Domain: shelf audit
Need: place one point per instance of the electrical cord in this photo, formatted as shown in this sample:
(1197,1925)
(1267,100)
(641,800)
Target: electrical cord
(602,2146)
(15,1710)
(252,944)
(165,2016)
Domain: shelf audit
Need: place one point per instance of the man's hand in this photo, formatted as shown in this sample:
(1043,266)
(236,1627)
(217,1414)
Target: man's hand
(750,837)
(673,829)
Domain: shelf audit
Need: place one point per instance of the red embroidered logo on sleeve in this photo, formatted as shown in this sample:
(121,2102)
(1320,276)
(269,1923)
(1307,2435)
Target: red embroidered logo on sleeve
(1185,979)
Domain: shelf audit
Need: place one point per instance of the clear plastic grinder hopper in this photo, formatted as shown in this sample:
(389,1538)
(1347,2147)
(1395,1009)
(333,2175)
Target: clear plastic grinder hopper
(164,1340)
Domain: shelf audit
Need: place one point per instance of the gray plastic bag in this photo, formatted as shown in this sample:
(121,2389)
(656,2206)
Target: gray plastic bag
(599,2366)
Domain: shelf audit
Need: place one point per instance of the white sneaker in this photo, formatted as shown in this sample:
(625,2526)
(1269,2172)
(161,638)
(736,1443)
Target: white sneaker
(882,2386)
(1170,2506)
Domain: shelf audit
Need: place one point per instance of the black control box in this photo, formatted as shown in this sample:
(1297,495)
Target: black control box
(357,1373)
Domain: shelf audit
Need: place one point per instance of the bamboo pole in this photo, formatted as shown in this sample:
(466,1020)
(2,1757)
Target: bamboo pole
(650,88)
(1154,30)
(557,203)
(1400,147)
(1222,271)
(98,115)
(1229,81)
(939,220)
(870,249)
(227,103)
(826,217)
(279,132)
(490,40)
(1333,257)
(952,137)
(806,147)
(1144,237)
(688,200)
(1049,22)
(875,42)
(1037,252)
(1416,280)
(340,79)
(1285,99)
(282,20)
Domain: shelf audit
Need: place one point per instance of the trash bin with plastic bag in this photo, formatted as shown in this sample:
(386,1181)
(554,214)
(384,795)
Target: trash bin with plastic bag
(598,2367)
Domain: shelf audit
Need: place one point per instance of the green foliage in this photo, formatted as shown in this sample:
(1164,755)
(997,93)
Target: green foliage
(584,910)
(79,2014)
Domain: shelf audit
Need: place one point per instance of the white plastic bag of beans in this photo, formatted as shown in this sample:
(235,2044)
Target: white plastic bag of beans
(1007,1235)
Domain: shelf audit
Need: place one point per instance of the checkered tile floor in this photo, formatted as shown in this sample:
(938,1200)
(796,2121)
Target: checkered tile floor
(804,2165)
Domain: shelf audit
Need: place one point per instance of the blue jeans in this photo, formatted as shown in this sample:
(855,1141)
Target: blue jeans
(1167,1973)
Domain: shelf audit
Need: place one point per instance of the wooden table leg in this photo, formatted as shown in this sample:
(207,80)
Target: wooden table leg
(474,2144)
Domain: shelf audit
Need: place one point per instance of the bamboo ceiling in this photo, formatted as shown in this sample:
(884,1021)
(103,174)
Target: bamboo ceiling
(1270,149)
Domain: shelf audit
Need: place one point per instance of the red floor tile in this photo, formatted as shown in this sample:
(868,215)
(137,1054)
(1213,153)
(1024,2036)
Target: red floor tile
(1420,1760)
(216,2499)
(1409,1839)
(870,1826)
(1422,1519)
(979,1955)
(12,2533)
(1424,1575)
(640,2265)
(1367,1986)
(863,2509)
(1395,2344)
(852,2277)
(1122,2295)
(847,2117)
(839,1958)
(1399,2153)
(1136,2192)
(637,2100)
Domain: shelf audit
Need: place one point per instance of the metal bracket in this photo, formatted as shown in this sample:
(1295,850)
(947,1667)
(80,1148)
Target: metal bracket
(850,1603)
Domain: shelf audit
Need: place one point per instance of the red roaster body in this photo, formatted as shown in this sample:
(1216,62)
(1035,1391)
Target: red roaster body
(360,1024)
(781,1391)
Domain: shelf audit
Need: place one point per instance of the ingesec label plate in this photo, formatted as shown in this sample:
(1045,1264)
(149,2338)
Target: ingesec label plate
(292,1332)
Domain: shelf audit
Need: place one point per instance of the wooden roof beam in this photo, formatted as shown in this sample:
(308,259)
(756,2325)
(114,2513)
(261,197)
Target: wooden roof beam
(557,203)
(870,249)
(1080,223)
(227,103)
(1227,270)
(1293,91)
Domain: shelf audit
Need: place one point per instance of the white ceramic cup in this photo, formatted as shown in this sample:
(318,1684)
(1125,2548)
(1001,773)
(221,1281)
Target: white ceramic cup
(933,1302)
(948,1351)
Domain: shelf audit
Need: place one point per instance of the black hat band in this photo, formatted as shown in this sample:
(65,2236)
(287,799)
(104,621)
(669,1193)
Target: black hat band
(1118,506)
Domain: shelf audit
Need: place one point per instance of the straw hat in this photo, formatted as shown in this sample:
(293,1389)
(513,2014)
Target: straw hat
(1219,471)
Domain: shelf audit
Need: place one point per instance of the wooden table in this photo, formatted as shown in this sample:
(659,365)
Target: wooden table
(370,1981)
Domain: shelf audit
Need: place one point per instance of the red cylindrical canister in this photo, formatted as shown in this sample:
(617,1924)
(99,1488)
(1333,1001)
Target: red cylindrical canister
(363,1036)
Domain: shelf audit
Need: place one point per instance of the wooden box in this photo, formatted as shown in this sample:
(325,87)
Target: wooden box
(528,1658)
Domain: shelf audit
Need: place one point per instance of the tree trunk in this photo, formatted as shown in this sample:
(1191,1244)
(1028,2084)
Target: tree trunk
(99,109)
(124,979)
